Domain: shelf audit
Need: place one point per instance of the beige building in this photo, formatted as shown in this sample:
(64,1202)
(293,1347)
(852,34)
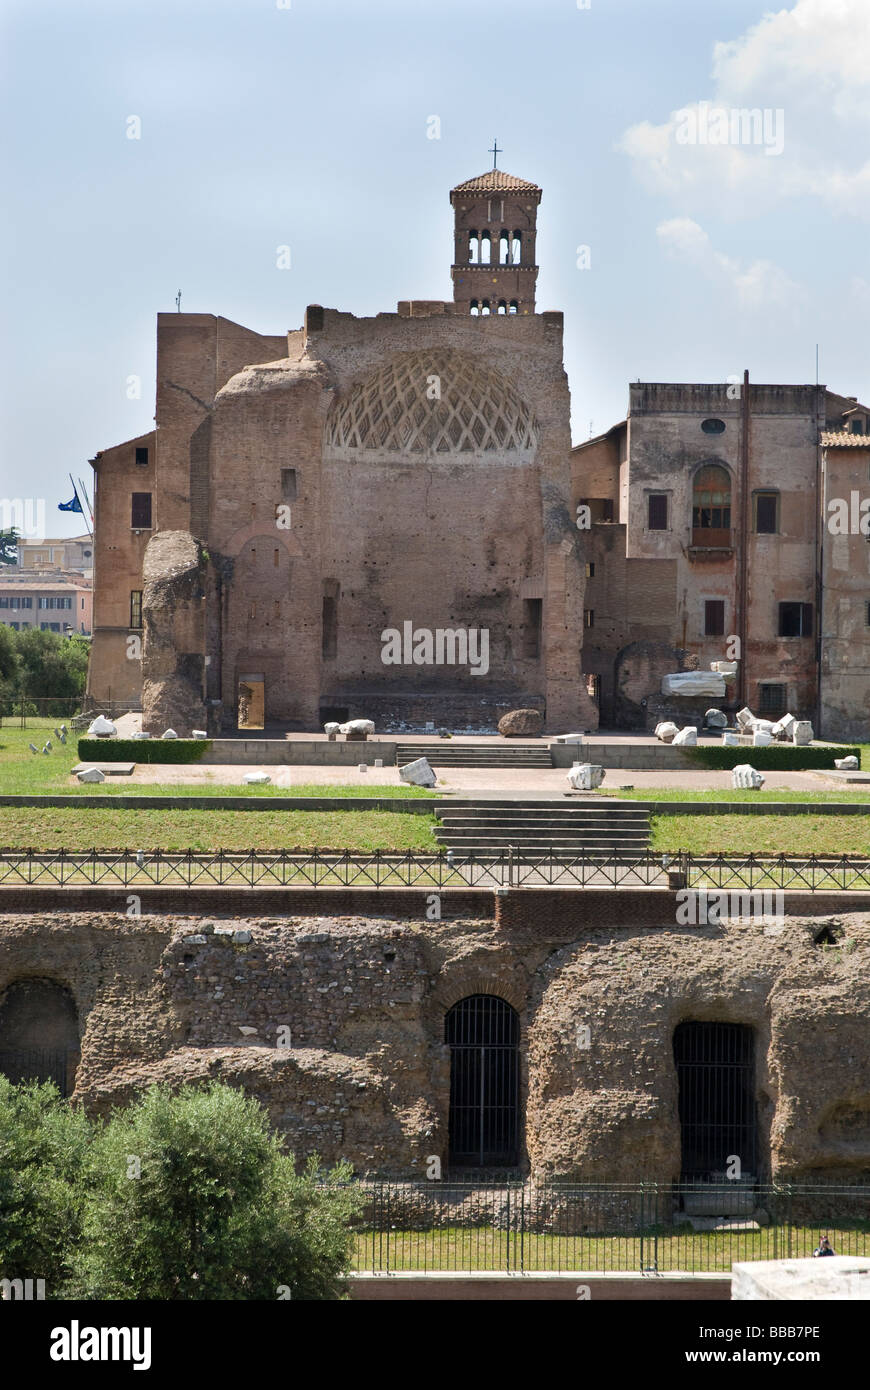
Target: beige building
(61,603)
(70,553)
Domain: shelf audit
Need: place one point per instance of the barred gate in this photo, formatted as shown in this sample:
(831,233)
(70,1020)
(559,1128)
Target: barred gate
(36,1064)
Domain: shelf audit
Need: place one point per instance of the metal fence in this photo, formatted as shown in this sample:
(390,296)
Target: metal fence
(739,874)
(38,712)
(644,1227)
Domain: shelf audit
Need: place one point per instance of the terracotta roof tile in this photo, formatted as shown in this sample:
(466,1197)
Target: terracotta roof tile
(844,439)
(496,181)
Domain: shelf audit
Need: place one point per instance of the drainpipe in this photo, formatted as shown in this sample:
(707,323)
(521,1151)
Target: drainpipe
(743,584)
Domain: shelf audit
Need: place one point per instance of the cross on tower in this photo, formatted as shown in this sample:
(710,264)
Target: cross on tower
(495,152)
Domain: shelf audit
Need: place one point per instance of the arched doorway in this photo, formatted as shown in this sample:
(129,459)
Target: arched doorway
(483,1034)
(716,1077)
(39,1033)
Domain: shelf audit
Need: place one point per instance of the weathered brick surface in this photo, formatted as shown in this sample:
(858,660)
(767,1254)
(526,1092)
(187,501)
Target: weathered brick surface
(366,1073)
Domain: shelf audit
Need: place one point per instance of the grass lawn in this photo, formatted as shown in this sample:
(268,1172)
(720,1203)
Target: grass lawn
(728,834)
(29,774)
(727,794)
(75,828)
(482,1248)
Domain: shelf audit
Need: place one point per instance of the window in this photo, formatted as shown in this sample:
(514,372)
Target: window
(140,511)
(504,249)
(141,456)
(502,306)
(50,627)
(329,620)
(588,617)
(795,620)
(711,507)
(593,688)
(657,511)
(288,484)
(485,248)
(771,698)
(713,426)
(590,569)
(483,1034)
(517,248)
(532,611)
(867,614)
(135,607)
(512,307)
(714,617)
(857,427)
(14,601)
(475,310)
(766,513)
(55,603)
(473,248)
(484,307)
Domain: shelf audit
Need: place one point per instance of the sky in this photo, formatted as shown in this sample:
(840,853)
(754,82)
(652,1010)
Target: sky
(263,124)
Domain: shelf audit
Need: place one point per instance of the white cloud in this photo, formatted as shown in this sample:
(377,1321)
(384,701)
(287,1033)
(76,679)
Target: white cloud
(757,285)
(812,64)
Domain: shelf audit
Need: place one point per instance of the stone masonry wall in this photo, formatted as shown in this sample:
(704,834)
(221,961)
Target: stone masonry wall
(364,1073)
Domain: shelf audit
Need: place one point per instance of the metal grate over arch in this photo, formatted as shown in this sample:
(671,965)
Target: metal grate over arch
(483,1034)
(715,1065)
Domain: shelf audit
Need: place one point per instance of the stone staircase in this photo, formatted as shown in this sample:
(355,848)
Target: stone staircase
(448,753)
(543,827)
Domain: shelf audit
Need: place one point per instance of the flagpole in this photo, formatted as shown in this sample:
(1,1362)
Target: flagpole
(88,500)
(81,508)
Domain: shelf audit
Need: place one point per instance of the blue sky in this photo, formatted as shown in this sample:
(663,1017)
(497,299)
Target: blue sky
(264,126)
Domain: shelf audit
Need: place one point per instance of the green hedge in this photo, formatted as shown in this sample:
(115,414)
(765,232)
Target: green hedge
(774,758)
(142,750)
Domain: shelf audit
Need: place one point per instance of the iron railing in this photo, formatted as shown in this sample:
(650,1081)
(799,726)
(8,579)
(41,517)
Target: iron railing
(513,868)
(644,1227)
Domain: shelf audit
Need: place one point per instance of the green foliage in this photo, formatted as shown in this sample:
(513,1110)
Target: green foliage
(143,750)
(8,654)
(217,1210)
(41,665)
(9,546)
(185,1196)
(774,758)
(43,1149)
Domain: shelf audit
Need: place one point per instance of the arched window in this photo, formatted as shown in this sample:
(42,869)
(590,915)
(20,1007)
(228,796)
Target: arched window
(715,1065)
(512,307)
(484,307)
(39,1033)
(504,248)
(473,248)
(485,248)
(475,308)
(483,1034)
(502,306)
(517,248)
(711,506)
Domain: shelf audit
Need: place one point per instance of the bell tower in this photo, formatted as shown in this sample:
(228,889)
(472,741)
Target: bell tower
(494,270)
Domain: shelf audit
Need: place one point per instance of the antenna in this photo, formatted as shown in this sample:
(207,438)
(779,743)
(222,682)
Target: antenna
(817,364)
(178,301)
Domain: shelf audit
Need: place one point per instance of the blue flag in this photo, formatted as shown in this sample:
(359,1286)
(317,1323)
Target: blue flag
(73,506)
